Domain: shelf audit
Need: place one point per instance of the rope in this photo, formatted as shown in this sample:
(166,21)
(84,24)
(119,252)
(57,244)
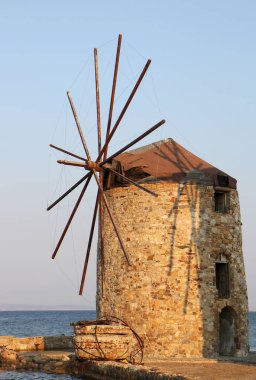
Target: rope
(80,72)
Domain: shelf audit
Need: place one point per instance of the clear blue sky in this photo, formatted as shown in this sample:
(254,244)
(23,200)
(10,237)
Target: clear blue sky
(202,80)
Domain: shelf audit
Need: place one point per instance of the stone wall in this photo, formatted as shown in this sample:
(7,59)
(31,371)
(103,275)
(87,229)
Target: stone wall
(46,361)
(104,341)
(36,343)
(168,295)
(221,234)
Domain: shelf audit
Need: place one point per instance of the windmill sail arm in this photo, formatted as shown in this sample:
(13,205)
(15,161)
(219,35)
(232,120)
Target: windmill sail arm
(152,129)
(69,191)
(67,152)
(124,109)
(71,217)
(112,94)
(78,125)
(132,182)
(89,244)
(111,217)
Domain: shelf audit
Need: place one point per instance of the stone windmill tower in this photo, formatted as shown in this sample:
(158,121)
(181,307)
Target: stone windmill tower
(185,293)
(170,258)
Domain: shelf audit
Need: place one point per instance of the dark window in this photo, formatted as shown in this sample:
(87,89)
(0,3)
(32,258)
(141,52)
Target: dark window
(221,201)
(222,279)
(223,180)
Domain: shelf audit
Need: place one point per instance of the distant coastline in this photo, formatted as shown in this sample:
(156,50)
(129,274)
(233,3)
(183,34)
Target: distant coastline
(17,307)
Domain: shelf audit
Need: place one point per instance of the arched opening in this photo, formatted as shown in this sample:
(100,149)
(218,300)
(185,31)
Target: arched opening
(227,331)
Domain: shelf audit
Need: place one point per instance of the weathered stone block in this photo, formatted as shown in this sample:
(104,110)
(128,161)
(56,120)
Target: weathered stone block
(110,342)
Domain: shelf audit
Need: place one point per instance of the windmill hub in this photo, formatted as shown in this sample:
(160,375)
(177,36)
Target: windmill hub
(93,165)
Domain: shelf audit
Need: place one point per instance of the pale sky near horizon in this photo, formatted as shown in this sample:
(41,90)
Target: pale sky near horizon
(202,81)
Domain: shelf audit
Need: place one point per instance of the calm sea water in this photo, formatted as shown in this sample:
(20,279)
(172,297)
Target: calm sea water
(14,375)
(36,323)
(40,323)
(252,331)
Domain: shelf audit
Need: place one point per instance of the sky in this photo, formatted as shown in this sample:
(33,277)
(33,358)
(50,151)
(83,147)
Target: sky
(201,80)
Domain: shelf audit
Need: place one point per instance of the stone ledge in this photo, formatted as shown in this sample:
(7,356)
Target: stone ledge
(46,361)
(173,369)
(36,343)
(65,362)
(121,371)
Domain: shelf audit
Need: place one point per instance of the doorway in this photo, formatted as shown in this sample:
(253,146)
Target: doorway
(227,331)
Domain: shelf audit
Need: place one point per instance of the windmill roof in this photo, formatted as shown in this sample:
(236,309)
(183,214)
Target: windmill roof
(167,160)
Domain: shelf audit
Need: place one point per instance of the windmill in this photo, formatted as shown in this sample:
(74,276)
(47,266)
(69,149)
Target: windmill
(102,164)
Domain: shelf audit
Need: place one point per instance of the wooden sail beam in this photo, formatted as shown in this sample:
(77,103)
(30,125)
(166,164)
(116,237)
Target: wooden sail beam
(101,219)
(78,126)
(71,216)
(133,142)
(67,152)
(101,164)
(124,108)
(96,167)
(82,179)
(89,165)
(106,161)
(132,182)
(69,191)
(101,232)
(93,165)
(111,217)
(97,88)
(89,244)
(111,107)
(102,260)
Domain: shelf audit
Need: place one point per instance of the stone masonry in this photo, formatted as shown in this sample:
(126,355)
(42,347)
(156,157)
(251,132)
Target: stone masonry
(168,295)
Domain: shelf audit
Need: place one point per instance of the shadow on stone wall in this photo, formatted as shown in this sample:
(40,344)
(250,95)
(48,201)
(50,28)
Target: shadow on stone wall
(189,191)
(185,166)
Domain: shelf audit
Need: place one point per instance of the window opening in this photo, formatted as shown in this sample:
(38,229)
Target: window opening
(222,279)
(221,201)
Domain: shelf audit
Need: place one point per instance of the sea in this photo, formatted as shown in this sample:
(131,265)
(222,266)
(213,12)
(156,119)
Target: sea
(39,323)
(49,323)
